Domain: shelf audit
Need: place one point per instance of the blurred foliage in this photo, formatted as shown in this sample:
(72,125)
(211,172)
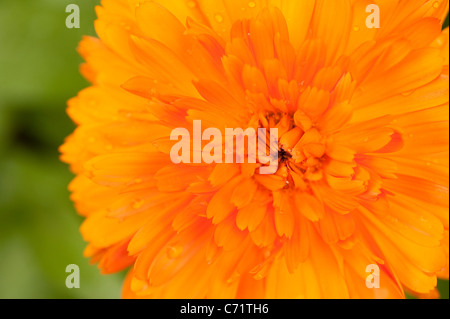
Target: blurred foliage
(39,233)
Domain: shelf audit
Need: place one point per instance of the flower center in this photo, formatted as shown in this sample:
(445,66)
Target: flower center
(301,148)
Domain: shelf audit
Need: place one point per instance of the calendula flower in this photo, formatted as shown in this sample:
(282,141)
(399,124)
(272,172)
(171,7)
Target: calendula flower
(362,117)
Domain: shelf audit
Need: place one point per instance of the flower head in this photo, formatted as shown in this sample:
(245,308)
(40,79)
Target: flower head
(362,117)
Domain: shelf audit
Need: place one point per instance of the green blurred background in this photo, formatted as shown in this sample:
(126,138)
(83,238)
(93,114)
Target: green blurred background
(39,233)
(39,72)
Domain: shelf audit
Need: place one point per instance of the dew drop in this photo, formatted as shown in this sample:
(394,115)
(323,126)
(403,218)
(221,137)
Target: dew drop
(436,5)
(191,4)
(138,204)
(258,277)
(174,251)
(252,4)
(407,93)
(219,18)
(233,278)
(356,28)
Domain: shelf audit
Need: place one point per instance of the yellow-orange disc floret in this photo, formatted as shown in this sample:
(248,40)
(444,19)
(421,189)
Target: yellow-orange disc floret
(362,115)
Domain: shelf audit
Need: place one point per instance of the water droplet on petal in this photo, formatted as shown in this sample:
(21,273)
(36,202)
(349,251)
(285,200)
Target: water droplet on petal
(174,251)
(258,277)
(233,278)
(252,4)
(407,93)
(138,204)
(191,4)
(219,18)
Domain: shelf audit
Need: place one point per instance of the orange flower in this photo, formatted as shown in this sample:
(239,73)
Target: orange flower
(362,115)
